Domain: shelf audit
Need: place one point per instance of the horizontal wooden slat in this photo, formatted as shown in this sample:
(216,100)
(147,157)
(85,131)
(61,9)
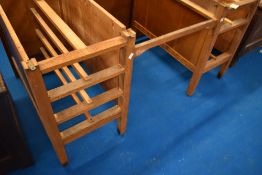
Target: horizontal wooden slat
(80,71)
(101,76)
(82,54)
(66,70)
(165,46)
(79,109)
(61,26)
(144,46)
(217,61)
(235,24)
(86,127)
(64,81)
(48,31)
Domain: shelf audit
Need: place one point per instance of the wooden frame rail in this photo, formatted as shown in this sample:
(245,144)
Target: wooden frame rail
(82,54)
(143,47)
(189,41)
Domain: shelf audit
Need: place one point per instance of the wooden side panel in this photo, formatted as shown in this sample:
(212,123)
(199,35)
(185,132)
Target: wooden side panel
(18,12)
(210,5)
(93,24)
(121,9)
(164,17)
(171,15)
(224,41)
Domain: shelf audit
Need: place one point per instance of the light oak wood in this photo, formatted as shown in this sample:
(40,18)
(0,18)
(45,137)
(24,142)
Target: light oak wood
(89,34)
(236,19)
(56,59)
(64,81)
(86,127)
(141,48)
(78,109)
(81,72)
(81,54)
(66,70)
(65,90)
(125,79)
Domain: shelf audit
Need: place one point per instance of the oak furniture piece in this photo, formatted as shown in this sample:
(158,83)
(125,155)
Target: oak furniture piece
(230,20)
(105,46)
(62,55)
(235,17)
(14,152)
(83,33)
(253,36)
(131,11)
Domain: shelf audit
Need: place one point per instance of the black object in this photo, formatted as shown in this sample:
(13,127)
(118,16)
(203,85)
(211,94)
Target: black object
(13,150)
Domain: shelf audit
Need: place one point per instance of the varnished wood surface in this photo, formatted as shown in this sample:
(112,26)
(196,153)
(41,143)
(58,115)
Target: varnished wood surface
(23,22)
(111,46)
(121,9)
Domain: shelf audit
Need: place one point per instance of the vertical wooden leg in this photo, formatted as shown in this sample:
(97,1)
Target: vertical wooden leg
(125,80)
(232,50)
(194,82)
(122,122)
(60,151)
(44,108)
(223,69)
(239,34)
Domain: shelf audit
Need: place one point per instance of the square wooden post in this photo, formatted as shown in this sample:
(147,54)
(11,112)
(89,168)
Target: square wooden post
(126,60)
(210,39)
(44,108)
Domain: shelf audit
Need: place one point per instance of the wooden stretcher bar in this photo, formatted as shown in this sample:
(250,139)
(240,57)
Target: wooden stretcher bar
(82,54)
(66,70)
(157,41)
(109,54)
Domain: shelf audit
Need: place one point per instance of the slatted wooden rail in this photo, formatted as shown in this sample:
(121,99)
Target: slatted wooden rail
(58,59)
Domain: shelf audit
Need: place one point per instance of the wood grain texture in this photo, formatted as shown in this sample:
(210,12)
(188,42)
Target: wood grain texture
(121,9)
(25,28)
(31,73)
(165,21)
(79,15)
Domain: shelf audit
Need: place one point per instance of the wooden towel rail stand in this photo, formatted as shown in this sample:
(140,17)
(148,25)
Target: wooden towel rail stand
(107,48)
(32,72)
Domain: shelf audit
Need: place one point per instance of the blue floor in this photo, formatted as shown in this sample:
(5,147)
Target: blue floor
(218,131)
